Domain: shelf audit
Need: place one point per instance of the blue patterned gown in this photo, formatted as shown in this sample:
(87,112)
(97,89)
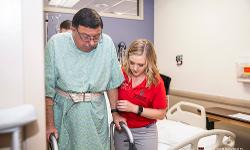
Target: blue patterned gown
(82,126)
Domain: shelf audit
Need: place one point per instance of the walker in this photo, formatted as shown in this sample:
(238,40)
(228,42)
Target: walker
(54,146)
(53,142)
(127,130)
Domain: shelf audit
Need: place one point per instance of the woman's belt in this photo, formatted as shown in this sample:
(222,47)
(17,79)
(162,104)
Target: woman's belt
(78,97)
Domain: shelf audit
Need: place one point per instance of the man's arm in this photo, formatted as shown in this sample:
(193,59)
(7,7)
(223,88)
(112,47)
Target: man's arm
(113,96)
(50,125)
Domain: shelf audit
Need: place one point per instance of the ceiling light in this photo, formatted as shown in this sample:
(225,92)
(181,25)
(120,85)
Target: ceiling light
(118,13)
(63,3)
(101,5)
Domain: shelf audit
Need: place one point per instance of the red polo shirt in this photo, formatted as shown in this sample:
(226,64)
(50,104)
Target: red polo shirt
(151,97)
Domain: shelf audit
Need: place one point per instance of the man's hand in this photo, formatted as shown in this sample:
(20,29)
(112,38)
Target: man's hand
(50,130)
(117,118)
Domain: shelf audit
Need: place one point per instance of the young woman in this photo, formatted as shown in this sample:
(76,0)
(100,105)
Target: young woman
(142,97)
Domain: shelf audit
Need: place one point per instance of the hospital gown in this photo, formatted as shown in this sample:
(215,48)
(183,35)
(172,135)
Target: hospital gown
(83,125)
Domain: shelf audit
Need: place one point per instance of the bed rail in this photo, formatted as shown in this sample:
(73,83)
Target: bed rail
(177,113)
(224,139)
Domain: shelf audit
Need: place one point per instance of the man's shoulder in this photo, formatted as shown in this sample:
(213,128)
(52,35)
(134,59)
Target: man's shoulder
(106,37)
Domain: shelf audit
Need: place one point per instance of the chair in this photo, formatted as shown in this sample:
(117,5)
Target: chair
(166,80)
(13,119)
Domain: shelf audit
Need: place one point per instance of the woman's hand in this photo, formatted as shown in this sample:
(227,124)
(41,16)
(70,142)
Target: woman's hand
(127,106)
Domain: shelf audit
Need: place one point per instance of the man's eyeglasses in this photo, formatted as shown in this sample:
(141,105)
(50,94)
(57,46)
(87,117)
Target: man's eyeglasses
(87,38)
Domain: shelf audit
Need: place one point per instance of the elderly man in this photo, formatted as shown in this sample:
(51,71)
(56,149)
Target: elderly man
(79,67)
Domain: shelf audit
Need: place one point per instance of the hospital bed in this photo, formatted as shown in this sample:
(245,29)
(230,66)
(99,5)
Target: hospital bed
(185,128)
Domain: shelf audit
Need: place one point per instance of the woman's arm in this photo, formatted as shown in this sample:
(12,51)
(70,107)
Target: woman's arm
(125,105)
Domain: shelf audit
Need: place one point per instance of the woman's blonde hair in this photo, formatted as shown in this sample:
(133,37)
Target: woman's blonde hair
(139,47)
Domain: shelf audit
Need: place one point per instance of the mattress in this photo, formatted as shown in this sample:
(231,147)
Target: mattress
(171,133)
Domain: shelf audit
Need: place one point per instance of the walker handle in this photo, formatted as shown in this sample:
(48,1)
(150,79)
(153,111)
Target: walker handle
(53,142)
(127,130)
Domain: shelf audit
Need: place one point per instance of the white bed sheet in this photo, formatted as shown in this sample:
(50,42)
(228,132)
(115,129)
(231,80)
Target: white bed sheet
(172,132)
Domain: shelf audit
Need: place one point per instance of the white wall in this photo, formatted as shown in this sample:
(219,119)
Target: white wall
(11,60)
(212,35)
(22,66)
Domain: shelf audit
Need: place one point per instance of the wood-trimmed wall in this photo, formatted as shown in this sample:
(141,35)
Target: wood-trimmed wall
(209,100)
